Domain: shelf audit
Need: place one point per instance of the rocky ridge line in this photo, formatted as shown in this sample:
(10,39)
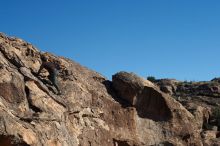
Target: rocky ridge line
(92,111)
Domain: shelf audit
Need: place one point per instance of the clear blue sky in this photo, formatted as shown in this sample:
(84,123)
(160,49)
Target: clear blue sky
(164,38)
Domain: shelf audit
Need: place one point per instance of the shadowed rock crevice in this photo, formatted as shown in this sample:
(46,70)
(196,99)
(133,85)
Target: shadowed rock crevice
(11,141)
(110,89)
(30,104)
(164,144)
(120,143)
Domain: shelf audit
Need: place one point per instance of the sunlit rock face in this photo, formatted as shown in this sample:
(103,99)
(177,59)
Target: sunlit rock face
(91,111)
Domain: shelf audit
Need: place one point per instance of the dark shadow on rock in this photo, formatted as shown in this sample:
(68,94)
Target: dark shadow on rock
(30,104)
(45,81)
(166,143)
(113,93)
(51,89)
(11,141)
(218,135)
(120,143)
(152,105)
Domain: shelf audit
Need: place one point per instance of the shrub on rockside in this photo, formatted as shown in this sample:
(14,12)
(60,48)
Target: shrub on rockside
(151,78)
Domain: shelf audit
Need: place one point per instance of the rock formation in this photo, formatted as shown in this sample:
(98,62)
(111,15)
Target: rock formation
(92,111)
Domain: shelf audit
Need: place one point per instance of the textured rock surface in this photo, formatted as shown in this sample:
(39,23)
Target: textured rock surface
(92,111)
(168,120)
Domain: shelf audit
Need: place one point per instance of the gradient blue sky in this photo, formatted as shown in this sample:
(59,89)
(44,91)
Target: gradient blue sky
(164,38)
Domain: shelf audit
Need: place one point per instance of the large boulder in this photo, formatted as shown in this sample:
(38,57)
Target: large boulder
(169,120)
(149,101)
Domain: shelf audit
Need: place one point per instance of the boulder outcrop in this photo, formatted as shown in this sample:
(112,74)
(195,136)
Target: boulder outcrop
(155,108)
(92,111)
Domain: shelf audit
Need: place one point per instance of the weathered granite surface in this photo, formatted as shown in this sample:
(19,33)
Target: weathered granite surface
(92,111)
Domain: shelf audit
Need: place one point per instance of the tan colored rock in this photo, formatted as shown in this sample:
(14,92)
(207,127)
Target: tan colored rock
(91,111)
(210,137)
(202,115)
(157,110)
(168,86)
